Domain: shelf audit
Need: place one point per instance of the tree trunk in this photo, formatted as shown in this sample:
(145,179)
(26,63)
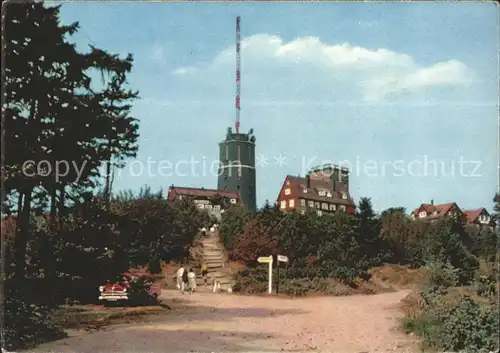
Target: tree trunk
(61,207)
(21,239)
(53,206)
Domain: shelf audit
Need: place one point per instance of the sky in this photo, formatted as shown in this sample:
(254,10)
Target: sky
(404,94)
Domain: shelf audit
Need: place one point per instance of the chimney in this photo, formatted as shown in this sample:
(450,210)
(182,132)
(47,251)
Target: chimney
(308,180)
(432,202)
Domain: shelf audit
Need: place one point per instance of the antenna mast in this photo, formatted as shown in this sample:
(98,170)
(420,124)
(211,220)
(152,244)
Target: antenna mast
(238,75)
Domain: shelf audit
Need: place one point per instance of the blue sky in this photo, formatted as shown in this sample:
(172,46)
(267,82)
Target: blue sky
(398,91)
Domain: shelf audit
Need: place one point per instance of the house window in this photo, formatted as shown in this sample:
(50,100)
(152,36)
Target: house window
(484,219)
(342,207)
(227,152)
(311,204)
(201,205)
(322,193)
(332,207)
(217,207)
(291,203)
(283,204)
(324,206)
(422,214)
(287,191)
(233,201)
(319,213)
(328,194)
(304,191)
(302,202)
(180,197)
(317,204)
(344,196)
(209,207)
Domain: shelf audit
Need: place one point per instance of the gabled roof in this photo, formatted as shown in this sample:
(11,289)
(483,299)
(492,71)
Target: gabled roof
(472,215)
(440,209)
(298,184)
(200,192)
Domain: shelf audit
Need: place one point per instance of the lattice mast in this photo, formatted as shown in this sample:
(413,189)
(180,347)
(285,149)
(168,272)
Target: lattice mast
(238,75)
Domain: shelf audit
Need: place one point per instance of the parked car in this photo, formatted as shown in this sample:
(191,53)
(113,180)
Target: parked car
(132,289)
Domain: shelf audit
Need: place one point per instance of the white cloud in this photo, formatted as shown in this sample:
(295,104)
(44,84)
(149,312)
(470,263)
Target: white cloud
(184,70)
(158,56)
(375,74)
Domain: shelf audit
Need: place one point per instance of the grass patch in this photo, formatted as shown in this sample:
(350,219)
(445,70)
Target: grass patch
(402,277)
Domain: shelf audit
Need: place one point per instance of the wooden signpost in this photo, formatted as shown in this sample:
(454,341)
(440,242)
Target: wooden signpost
(268,260)
(280,258)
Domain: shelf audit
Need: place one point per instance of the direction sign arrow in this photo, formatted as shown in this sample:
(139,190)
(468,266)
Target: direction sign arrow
(265,259)
(282,258)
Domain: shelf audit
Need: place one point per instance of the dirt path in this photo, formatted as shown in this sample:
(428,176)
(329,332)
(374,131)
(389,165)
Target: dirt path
(207,322)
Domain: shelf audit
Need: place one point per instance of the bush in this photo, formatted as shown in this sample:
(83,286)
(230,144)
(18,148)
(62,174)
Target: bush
(439,274)
(471,329)
(154,267)
(27,321)
(451,324)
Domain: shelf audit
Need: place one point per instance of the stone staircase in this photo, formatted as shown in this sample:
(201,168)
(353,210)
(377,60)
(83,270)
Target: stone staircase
(209,250)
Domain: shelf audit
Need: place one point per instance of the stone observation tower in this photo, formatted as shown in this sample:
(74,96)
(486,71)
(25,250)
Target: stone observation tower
(237,167)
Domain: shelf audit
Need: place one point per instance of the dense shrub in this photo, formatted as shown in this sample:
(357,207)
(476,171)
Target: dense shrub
(471,328)
(439,274)
(452,322)
(27,323)
(154,266)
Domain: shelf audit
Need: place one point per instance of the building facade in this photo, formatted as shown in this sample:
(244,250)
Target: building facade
(325,189)
(432,212)
(237,167)
(479,217)
(215,202)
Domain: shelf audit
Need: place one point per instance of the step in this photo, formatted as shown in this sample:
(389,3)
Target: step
(212,248)
(213,259)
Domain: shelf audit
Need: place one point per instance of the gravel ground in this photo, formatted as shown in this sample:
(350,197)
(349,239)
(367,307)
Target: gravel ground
(207,322)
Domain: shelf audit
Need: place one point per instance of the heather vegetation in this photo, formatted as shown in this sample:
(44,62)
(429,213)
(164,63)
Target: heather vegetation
(65,238)
(455,306)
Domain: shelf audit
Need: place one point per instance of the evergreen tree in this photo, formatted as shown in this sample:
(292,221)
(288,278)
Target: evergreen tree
(368,232)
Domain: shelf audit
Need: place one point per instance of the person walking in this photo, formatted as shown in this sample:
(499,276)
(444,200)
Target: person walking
(204,274)
(180,279)
(185,279)
(192,280)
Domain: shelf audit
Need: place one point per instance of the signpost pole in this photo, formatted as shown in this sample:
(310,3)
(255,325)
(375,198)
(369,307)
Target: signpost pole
(268,260)
(277,276)
(270,289)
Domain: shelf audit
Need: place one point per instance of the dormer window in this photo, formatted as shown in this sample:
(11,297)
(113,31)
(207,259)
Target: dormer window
(288,191)
(328,194)
(422,214)
(344,196)
(435,213)
(304,191)
(322,193)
